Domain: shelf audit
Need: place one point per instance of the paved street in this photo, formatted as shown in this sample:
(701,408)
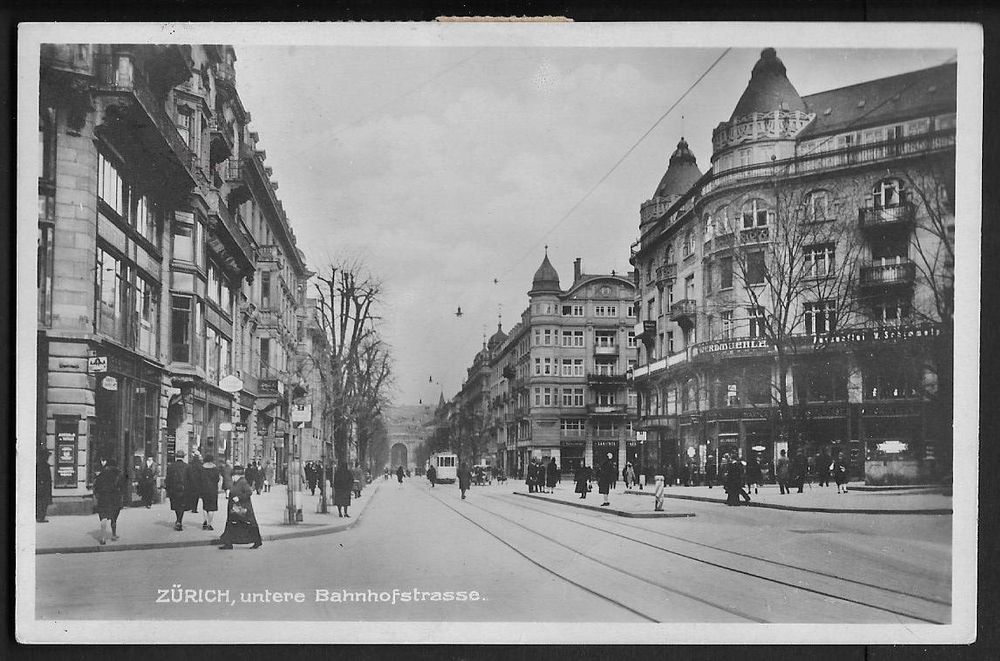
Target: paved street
(533,561)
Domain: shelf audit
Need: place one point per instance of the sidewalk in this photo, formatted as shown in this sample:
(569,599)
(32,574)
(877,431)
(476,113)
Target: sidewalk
(621,504)
(821,499)
(141,528)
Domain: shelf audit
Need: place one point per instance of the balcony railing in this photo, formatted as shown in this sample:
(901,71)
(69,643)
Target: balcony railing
(754,235)
(666,273)
(606,350)
(269,253)
(883,275)
(225,73)
(607,409)
(897,214)
(684,309)
(605,379)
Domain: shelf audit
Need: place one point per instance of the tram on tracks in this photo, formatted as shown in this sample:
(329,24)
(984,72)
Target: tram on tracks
(446,465)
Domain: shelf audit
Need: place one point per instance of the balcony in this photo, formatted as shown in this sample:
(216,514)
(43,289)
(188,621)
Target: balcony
(888,275)
(225,74)
(607,409)
(270,253)
(221,140)
(226,236)
(684,311)
(722,242)
(606,350)
(665,274)
(595,379)
(895,216)
(754,235)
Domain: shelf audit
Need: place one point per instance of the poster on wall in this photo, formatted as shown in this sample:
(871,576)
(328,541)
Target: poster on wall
(67,444)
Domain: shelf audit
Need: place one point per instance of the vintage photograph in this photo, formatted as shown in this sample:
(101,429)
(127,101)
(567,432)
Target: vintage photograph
(550,333)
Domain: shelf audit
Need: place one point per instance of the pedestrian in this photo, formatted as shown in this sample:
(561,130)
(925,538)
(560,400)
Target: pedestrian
(399,474)
(670,475)
(209,486)
(358,479)
(108,487)
(464,479)
(734,483)
(754,477)
(176,486)
(799,469)
(607,475)
(43,486)
(839,469)
(431,474)
(310,477)
(823,467)
(710,471)
(343,483)
(226,471)
(265,477)
(385,473)
(530,476)
(194,479)
(658,494)
(552,477)
(629,476)
(582,479)
(241,522)
(250,474)
(146,482)
(781,471)
(683,476)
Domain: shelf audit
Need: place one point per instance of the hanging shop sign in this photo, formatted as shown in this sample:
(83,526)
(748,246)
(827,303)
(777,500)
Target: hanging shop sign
(892,447)
(67,445)
(97,364)
(109,383)
(302,413)
(225,426)
(268,387)
(231,383)
(240,427)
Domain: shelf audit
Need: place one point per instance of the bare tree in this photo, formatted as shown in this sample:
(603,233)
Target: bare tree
(347,298)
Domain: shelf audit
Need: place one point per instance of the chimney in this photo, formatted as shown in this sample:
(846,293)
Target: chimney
(576,269)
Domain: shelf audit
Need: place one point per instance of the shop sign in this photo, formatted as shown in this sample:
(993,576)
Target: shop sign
(882,334)
(67,444)
(892,447)
(225,426)
(231,383)
(109,383)
(266,387)
(302,413)
(170,447)
(97,364)
(640,436)
(734,345)
(240,427)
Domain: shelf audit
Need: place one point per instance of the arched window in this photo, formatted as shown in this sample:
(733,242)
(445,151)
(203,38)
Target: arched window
(756,214)
(722,225)
(887,193)
(688,246)
(669,259)
(709,227)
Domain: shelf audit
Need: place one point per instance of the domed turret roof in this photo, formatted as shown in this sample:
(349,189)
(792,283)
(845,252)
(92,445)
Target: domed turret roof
(497,338)
(546,279)
(768,89)
(681,174)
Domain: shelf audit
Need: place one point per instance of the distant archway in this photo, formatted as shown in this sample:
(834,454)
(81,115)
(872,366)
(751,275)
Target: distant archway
(398,455)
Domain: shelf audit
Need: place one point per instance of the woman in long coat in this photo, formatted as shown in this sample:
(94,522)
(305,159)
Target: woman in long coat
(108,497)
(464,479)
(840,472)
(241,522)
(552,477)
(582,479)
(343,484)
(607,475)
(147,482)
(734,482)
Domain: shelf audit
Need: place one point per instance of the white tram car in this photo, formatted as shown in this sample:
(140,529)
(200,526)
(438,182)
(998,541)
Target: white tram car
(446,465)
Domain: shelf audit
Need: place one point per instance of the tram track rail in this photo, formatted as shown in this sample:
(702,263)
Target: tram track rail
(789,584)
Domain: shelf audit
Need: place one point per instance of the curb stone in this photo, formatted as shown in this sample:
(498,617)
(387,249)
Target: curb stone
(598,508)
(796,508)
(320,529)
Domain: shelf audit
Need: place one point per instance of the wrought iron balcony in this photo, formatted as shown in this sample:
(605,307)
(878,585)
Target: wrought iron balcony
(221,135)
(606,350)
(607,409)
(888,275)
(666,274)
(754,235)
(596,379)
(684,310)
(269,253)
(897,215)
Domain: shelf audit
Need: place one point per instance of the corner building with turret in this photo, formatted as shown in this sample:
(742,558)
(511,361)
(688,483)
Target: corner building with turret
(798,295)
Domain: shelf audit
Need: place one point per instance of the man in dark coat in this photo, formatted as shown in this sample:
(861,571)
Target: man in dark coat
(582,479)
(552,475)
(823,468)
(399,474)
(800,466)
(250,475)
(734,482)
(176,486)
(193,478)
(343,485)
(464,479)
(147,482)
(241,522)
(432,474)
(43,486)
(607,475)
(754,476)
(710,471)
(108,487)
(227,476)
(530,476)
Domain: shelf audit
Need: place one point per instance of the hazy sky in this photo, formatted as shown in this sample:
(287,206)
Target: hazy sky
(447,168)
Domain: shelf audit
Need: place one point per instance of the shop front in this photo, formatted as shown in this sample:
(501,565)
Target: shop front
(572,453)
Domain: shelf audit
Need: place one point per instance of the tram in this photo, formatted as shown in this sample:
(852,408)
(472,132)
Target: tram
(446,465)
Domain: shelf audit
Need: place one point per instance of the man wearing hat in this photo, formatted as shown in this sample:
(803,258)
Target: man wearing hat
(606,474)
(176,486)
(43,486)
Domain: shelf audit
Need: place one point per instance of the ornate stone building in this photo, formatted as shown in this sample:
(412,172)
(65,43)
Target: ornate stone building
(798,295)
(157,220)
(557,385)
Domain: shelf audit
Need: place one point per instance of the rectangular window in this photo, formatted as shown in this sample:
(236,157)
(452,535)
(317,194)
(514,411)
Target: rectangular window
(265,357)
(547,367)
(689,287)
(184,236)
(538,396)
(567,397)
(817,205)
(819,317)
(146,315)
(265,290)
(600,311)
(567,338)
(727,325)
(180,328)
(708,278)
(538,337)
(547,336)
(547,396)
(891,311)
(651,309)
(632,344)
(755,268)
(573,427)
(819,260)
(755,318)
(605,338)
(567,367)
(110,187)
(572,310)
(890,380)
(632,310)
(578,367)
(671,401)
(606,398)
(726,273)
(670,342)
